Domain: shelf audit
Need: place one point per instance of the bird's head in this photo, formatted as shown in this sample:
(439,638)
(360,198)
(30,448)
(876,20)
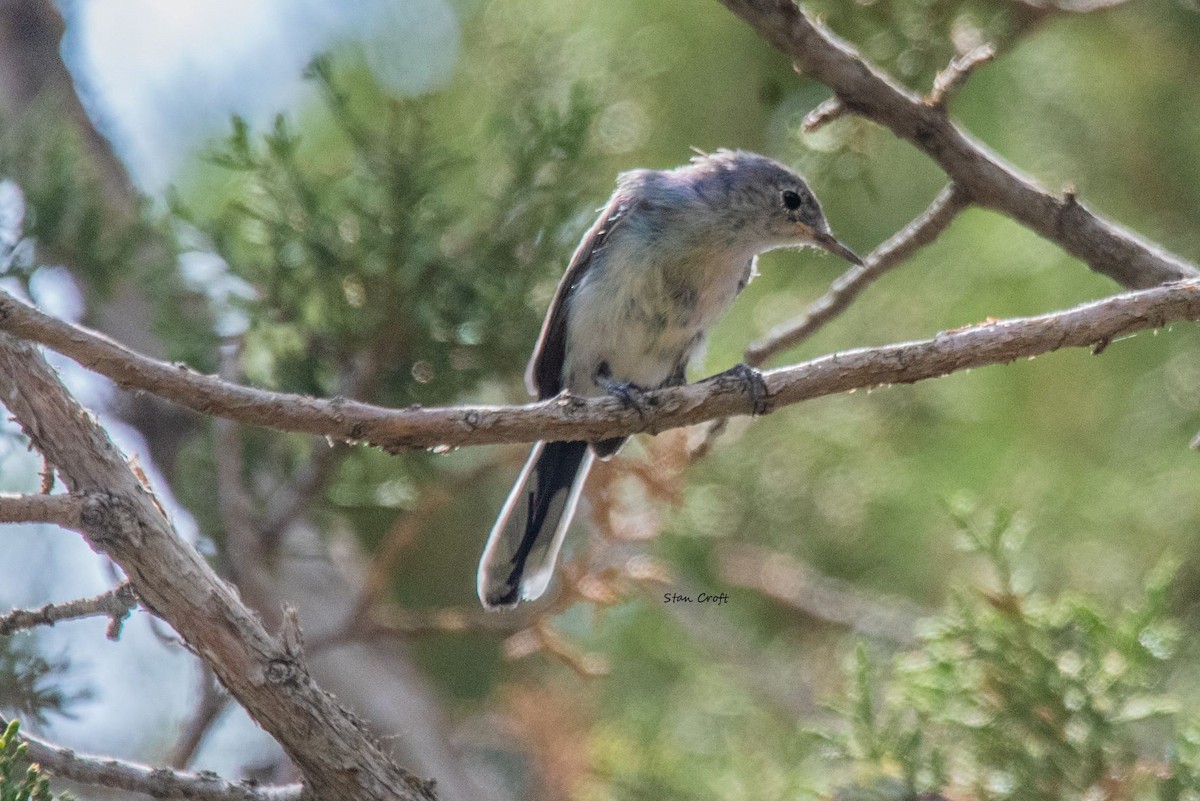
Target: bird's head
(764,203)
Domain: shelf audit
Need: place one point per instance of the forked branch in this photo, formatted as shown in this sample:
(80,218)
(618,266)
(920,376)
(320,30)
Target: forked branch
(116,604)
(265,673)
(865,90)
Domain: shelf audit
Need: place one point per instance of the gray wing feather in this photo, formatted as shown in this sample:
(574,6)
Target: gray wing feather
(543,377)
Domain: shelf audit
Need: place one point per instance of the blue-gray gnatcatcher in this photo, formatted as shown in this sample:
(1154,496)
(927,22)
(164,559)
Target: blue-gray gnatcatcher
(659,267)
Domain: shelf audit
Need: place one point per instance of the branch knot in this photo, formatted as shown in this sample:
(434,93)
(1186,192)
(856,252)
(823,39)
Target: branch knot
(283,670)
(109,518)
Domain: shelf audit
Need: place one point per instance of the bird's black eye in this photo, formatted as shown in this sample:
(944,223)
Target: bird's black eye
(791,200)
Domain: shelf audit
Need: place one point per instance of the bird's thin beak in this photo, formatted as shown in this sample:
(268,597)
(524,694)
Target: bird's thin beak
(827,242)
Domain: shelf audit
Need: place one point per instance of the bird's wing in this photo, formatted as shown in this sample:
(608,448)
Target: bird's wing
(543,377)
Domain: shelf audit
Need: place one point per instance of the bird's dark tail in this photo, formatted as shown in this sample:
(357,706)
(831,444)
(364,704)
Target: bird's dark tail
(518,560)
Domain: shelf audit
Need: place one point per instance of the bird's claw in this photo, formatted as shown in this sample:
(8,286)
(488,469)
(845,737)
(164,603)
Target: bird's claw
(752,384)
(628,393)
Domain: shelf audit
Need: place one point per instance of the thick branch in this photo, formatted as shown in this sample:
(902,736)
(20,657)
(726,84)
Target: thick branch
(567,418)
(987,180)
(116,604)
(154,782)
(331,748)
(61,510)
(918,233)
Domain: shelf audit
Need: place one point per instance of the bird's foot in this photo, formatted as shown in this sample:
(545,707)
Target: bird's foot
(628,393)
(752,384)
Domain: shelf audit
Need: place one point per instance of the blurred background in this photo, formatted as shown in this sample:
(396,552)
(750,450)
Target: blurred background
(375,199)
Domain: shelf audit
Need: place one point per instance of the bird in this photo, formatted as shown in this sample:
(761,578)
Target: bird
(659,267)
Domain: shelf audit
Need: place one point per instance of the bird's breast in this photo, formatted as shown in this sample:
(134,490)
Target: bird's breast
(643,314)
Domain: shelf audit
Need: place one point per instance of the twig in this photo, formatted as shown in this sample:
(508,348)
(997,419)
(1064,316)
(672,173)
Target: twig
(954,77)
(826,112)
(569,418)
(951,80)
(47,476)
(154,782)
(543,636)
(116,604)
(863,89)
(60,510)
(329,746)
(791,582)
(918,233)
(711,434)
(291,637)
(396,623)
(389,621)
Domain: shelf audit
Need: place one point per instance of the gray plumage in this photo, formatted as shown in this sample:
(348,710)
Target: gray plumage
(662,263)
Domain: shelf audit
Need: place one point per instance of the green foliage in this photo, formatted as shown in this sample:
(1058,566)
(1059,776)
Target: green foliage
(66,211)
(381,245)
(1016,695)
(887,745)
(1008,695)
(30,784)
(74,207)
(381,249)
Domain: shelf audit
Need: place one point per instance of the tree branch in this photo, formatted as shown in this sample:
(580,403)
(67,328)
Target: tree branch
(330,747)
(566,418)
(817,53)
(154,782)
(947,84)
(918,233)
(60,510)
(116,604)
